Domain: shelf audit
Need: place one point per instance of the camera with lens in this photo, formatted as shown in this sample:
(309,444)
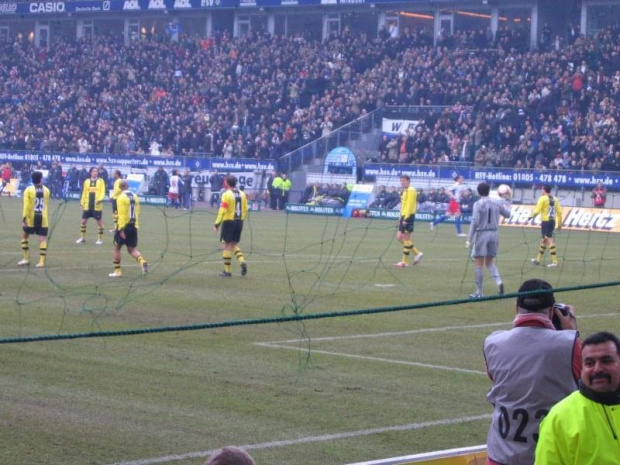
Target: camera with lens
(563,308)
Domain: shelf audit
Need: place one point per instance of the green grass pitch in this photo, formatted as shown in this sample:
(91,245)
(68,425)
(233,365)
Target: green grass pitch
(327,391)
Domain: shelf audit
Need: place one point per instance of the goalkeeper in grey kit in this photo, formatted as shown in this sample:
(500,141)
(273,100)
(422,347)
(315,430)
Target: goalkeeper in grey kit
(484,235)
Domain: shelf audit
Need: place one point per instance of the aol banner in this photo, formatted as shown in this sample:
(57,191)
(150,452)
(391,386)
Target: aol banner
(574,218)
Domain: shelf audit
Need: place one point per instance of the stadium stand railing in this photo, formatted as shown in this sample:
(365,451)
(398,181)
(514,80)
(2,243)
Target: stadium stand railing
(475,455)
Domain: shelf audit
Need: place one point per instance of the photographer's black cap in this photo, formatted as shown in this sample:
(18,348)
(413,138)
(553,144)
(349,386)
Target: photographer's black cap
(535,302)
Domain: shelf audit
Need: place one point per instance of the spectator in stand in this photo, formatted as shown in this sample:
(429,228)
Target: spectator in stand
(160,181)
(599,194)
(532,366)
(216,181)
(379,201)
(83,176)
(103,174)
(186,189)
(467,201)
(276,194)
(127,118)
(285,187)
(55,180)
(73,178)
(309,194)
(421,197)
(24,177)
(5,175)
(392,199)
(582,429)
(270,196)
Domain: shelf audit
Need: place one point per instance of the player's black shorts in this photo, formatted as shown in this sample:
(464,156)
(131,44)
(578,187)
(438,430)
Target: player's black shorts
(406,227)
(547,227)
(231,231)
(37,227)
(96,214)
(131,237)
(114,206)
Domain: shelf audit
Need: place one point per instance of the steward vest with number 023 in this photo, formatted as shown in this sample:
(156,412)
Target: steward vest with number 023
(531,368)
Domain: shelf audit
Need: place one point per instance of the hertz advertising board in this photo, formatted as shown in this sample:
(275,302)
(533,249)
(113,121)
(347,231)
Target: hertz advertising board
(573,218)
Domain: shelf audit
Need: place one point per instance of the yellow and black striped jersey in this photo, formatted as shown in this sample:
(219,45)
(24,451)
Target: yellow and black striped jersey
(234,206)
(408,202)
(116,190)
(128,205)
(36,202)
(93,194)
(549,208)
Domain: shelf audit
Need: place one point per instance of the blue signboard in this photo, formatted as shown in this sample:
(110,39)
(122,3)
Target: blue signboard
(141,161)
(563,178)
(340,160)
(99,6)
(105,6)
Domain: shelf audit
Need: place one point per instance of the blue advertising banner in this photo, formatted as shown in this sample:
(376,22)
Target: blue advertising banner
(564,178)
(105,6)
(98,6)
(141,161)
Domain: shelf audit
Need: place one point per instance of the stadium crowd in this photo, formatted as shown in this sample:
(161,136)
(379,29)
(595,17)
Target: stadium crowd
(261,96)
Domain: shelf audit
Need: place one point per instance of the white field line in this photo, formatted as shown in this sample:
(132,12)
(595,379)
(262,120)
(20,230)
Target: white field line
(283,344)
(415,331)
(397,333)
(374,359)
(311,439)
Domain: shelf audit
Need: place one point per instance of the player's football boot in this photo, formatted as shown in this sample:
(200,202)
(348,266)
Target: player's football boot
(401,265)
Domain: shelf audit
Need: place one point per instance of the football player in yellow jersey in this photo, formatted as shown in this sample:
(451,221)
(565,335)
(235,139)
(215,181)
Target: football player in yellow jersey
(34,218)
(116,191)
(233,211)
(93,194)
(408,208)
(550,211)
(126,233)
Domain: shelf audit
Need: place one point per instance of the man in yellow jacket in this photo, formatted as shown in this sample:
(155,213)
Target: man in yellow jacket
(584,428)
(286,188)
(231,215)
(116,191)
(93,193)
(406,221)
(126,233)
(34,218)
(550,211)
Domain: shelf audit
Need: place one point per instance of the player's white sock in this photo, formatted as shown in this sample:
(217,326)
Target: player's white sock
(479,280)
(495,273)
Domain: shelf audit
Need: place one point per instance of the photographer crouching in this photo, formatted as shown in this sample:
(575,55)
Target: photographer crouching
(533,366)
